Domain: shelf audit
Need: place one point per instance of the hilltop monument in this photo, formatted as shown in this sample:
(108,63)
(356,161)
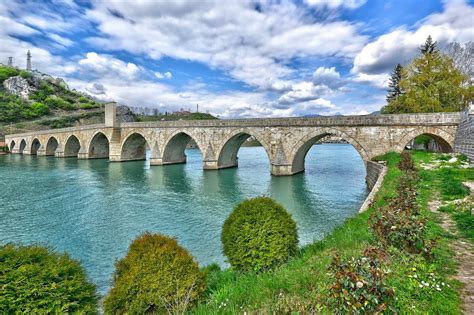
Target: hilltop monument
(28,61)
(10,61)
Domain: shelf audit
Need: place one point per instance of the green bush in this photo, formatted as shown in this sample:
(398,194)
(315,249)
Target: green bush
(7,72)
(156,276)
(259,235)
(39,109)
(87,105)
(360,285)
(58,102)
(25,74)
(35,280)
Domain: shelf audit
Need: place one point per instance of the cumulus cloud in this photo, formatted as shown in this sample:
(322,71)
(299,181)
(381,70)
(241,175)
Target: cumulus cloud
(455,23)
(107,65)
(249,43)
(334,4)
(166,75)
(328,76)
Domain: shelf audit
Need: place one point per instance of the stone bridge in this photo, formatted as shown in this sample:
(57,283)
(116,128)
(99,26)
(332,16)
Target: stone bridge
(285,140)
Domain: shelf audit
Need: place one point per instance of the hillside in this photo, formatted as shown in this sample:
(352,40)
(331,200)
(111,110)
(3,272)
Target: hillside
(30,100)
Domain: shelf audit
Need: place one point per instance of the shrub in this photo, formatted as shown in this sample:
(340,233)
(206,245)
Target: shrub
(58,102)
(259,235)
(25,74)
(35,280)
(156,276)
(359,286)
(7,72)
(87,105)
(39,109)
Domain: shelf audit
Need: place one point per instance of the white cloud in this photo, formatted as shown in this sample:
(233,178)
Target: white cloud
(328,76)
(252,45)
(166,75)
(334,4)
(107,65)
(455,23)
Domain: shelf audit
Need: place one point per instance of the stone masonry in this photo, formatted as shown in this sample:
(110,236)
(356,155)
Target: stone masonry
(285,140)
(464,140)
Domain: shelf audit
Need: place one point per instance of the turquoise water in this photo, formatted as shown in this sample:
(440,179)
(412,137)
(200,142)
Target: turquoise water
(93,209)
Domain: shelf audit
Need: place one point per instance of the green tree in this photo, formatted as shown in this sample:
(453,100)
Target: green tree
(394,89)
(431,83)
(429,47)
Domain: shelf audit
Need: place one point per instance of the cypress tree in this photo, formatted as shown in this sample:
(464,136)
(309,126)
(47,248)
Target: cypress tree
(394,89)
(429,47)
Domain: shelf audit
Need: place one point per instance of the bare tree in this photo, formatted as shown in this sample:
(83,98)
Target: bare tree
(463,57)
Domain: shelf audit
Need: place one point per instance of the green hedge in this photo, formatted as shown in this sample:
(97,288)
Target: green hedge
(156,276)
(36,280)
(259,235)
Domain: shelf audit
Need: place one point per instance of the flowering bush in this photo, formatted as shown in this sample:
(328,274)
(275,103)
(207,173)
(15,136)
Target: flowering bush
(359,286)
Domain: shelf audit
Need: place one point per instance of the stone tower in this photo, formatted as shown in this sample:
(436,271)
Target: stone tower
(10,61)
(28,61)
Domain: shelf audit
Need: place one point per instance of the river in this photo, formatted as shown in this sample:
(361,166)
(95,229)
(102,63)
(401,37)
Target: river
(93,209)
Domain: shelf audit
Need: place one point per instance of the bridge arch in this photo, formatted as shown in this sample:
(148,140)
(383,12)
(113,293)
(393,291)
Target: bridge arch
(301,148)
(175,145)
(99,146)
(226,152)
(51,145)
(22,146)
(12,145)
(35,145)
(72,146)
(443,139)
(134,147)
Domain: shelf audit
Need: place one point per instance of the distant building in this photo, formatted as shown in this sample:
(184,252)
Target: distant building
(10,61)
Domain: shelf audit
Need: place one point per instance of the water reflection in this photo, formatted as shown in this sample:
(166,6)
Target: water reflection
(93,208)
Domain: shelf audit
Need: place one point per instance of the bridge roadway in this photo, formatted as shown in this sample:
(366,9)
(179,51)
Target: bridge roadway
(285,140)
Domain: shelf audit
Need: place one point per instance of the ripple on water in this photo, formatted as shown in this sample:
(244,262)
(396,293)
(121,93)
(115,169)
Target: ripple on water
(93,209)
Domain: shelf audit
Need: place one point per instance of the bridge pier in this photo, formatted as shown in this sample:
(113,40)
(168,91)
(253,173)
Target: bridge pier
(214,165)
(161,161)
(41,152)
(283,170)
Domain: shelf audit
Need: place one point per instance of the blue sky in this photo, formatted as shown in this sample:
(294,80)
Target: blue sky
(235,59)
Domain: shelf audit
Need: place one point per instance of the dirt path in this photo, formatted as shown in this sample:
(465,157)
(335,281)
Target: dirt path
(464,255)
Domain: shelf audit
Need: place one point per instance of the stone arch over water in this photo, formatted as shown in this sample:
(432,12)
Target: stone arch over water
(175,146)
(444,141)
(134,148)
(22,146)
(51,146)
(35,145)
(228,150)
(72,146)
(99,146)
(302,147)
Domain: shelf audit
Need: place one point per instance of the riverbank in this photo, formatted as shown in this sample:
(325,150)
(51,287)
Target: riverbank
(421,285)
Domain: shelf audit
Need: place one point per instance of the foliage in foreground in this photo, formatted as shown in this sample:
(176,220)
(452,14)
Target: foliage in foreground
(156,276)
(303,284)
(360,284)
(35,280)
(259,235)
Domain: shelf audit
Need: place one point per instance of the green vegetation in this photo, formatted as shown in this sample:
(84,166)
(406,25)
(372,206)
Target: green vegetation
(430,83)
(313,280)
(49,99)
(259,235)
(156,276)
(35,280)
(175,116)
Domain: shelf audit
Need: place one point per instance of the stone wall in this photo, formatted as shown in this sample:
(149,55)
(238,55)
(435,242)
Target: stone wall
(374,170)
(464,140)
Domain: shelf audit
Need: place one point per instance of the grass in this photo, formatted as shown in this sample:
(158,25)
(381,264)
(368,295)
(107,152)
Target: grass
(302,285)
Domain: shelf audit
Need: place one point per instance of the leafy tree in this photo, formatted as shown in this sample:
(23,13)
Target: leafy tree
(431,83)
(39,109)
(394,89)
